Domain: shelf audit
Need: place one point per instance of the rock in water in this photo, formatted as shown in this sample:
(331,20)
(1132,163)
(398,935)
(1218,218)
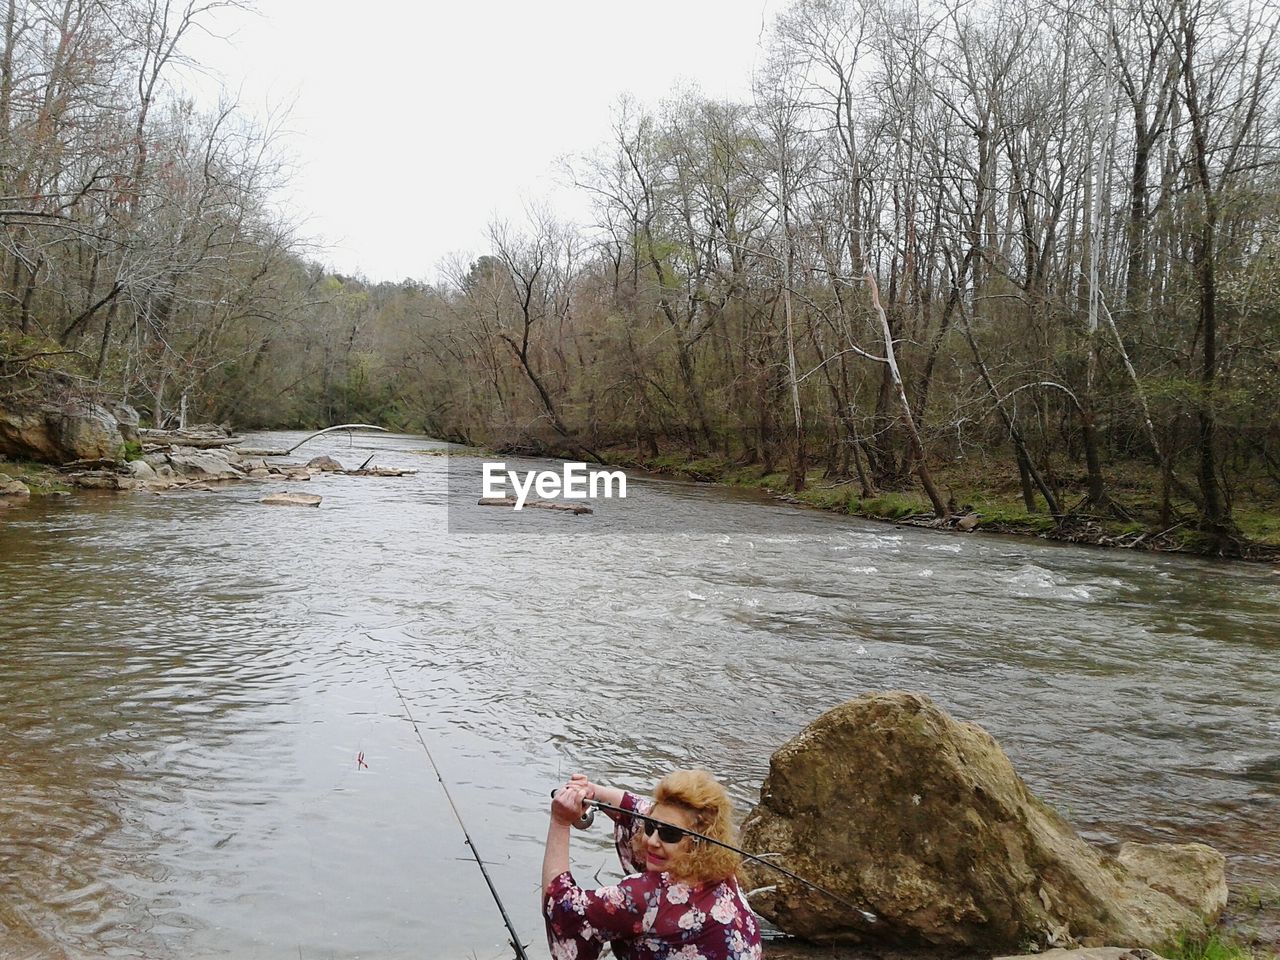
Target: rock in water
(204,464)
(895,806)
(291,500)
(325,465)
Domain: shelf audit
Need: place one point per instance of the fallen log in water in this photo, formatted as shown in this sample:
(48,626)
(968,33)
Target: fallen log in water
(381,472)
(574,508)
(99,463)
(154,440)
(284,453)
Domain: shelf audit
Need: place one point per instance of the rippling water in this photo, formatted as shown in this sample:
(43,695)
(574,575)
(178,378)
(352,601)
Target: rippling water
(186,681)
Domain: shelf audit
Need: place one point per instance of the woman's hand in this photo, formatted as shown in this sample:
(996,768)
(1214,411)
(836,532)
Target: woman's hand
(591,788)
(566,806)
(609,795)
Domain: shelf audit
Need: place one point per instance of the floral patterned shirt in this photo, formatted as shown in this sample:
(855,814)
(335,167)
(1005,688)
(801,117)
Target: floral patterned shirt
(648,915)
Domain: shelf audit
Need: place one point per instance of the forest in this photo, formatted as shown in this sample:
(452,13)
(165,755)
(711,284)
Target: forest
(1016,254)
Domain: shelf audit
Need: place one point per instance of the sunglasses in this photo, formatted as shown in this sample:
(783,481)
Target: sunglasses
(666,833)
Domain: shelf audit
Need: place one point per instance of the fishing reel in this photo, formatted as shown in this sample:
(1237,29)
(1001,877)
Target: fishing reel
(587,819)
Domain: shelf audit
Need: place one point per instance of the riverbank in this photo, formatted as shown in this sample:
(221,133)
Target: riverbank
(259,640)
(184,459)
(981,500)
(993,504)
(1211,946)
(1248,930)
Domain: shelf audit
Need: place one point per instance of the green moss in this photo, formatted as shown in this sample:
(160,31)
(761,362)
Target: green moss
(828,498)
(41,478)
(1193,541)
(1016,517)
(46,354)
(1261,523)
(131,450)
(707,468)
(889,506)
(1208,945)
(1259,897)
(668,462)
(1004,508)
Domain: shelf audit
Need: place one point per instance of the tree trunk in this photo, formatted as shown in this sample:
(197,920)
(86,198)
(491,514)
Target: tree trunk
(1026,465)
(799,464)
(922,465)
(1024,477)
(1216,512)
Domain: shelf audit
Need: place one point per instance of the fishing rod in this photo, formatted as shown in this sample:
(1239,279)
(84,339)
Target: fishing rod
(515,937)
(866,915)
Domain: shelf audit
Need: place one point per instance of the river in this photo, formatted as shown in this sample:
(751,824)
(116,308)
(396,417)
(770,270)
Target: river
(188,679)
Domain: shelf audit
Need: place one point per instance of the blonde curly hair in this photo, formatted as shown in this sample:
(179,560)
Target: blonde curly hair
(699,794)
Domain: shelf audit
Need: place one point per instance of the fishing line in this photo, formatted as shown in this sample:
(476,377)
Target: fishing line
(866,915)
(515,937)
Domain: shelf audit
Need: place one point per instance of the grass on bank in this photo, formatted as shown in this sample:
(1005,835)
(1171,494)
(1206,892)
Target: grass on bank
(994,498)
(41,478)
(1213,945)
(1256,897)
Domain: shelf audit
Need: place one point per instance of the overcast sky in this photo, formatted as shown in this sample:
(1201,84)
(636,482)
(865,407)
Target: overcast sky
(413,124)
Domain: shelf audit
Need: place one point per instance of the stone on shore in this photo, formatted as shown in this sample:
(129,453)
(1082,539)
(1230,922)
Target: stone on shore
(10,487)
(1191,873)
(90,442)
(1088,953)
(893,805)
(102,480)
(142,471)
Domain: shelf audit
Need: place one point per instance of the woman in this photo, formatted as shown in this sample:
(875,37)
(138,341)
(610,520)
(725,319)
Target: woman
(680,898)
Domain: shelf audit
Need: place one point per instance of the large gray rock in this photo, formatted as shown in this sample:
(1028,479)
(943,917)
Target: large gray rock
(896,807)
(204,465)
(147,477)
(60,432)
